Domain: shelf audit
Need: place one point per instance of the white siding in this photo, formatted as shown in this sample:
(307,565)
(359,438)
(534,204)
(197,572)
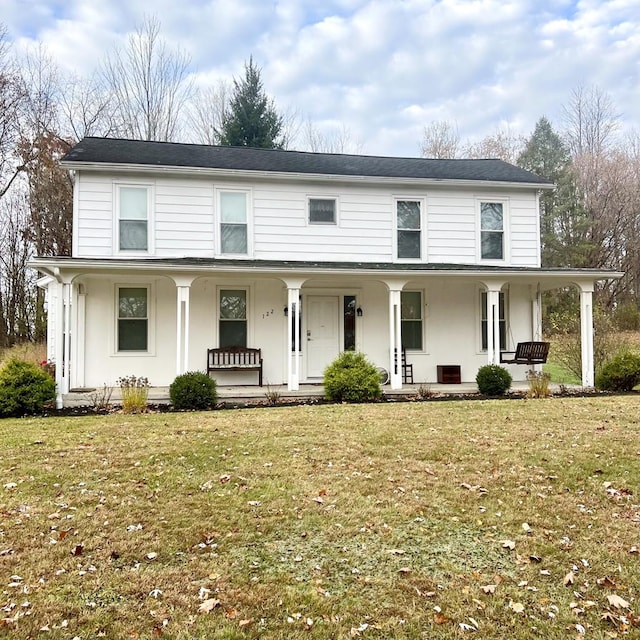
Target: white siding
(184,223)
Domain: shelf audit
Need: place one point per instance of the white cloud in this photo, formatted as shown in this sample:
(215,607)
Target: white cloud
(384,68)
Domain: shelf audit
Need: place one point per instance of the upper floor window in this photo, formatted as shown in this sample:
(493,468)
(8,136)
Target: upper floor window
(133,218)
(322,211)
(411,319)
(233,222)
(133,318)
(233,318)
(408,224)
(492,230)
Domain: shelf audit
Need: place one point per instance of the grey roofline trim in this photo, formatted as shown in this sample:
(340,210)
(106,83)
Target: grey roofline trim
(55,266)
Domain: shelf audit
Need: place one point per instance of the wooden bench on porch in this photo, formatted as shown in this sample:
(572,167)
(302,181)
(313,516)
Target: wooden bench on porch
(235,358)
(526,353)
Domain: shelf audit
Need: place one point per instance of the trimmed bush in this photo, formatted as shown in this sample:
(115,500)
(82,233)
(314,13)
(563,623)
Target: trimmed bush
(621,373)
(493,380)
(352,378)
(24,388)
(193,390)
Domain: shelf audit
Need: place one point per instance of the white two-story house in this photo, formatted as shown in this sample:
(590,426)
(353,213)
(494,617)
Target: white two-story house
(179,248)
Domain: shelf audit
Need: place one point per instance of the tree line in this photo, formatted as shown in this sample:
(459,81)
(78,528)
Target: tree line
(144,91)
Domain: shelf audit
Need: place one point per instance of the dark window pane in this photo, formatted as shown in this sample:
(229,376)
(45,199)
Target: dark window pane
(233,333)
(491,216)
(132,335)
(234,238)
(133,235)
(408,214)
(322,211)
(233,304)
(349,323)
(132,302)
(491,245)
(411,302)
(408,244)
(412,334)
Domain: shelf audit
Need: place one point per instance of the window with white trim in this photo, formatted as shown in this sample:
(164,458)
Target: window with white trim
(133,319)
(232,324)
(411,320)
(322,211)
(233,222)
(133,218)
(409,228)
(492,230)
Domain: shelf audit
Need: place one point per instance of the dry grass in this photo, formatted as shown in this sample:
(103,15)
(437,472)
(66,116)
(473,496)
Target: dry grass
(28,351)
(372,521)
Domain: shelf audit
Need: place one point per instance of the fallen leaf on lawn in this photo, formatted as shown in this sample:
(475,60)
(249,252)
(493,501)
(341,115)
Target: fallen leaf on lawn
(318,499)
(77,550)
(404,570)
(569,579)
(467,627)
(224,478)
(618,602)
(526,527)
(508,544)
(208,605)
(322,492)
(152,555)
(396,552)
(245,623)
(545,572)
(489,588)
(634,549)
(535,558)
(254,503)
(440,618)
(605,582)
(517,607)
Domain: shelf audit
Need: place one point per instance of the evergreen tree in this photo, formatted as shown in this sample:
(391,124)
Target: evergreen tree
(251,120)
(562,218)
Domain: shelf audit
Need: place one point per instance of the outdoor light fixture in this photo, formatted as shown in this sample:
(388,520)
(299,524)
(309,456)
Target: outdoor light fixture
(285,311)
(359,312)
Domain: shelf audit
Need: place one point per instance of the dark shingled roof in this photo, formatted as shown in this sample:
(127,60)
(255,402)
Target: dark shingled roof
(172,154)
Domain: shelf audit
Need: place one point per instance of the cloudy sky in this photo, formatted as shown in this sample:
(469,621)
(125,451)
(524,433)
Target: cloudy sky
(381,68)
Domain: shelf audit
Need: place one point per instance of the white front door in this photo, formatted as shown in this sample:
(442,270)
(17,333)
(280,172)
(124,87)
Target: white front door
(322,333)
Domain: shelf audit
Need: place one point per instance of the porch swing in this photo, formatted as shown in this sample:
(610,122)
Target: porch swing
(529,353)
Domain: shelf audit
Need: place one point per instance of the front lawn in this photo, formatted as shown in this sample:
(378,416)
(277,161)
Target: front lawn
(485,519)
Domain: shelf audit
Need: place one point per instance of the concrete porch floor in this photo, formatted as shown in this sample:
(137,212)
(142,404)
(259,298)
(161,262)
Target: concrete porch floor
(254,393)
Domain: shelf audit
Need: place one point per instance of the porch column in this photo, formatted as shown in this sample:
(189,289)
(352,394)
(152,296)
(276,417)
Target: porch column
(63,340)
(183,288)
(293,344)
(78,307)
(493,321)
(536,315)
(395,332)
(586,333)
(58,357)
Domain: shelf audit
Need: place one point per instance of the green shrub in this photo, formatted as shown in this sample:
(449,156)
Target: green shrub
(352,378)
(24,388)
(193,390)
(621,373)
(493,380)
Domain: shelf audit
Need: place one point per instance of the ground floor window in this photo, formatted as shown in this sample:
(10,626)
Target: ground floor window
(411,320)
(133,318)
(232,330)
(485,323)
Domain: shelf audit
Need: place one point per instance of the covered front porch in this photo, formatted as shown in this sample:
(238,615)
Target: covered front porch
(300,315)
